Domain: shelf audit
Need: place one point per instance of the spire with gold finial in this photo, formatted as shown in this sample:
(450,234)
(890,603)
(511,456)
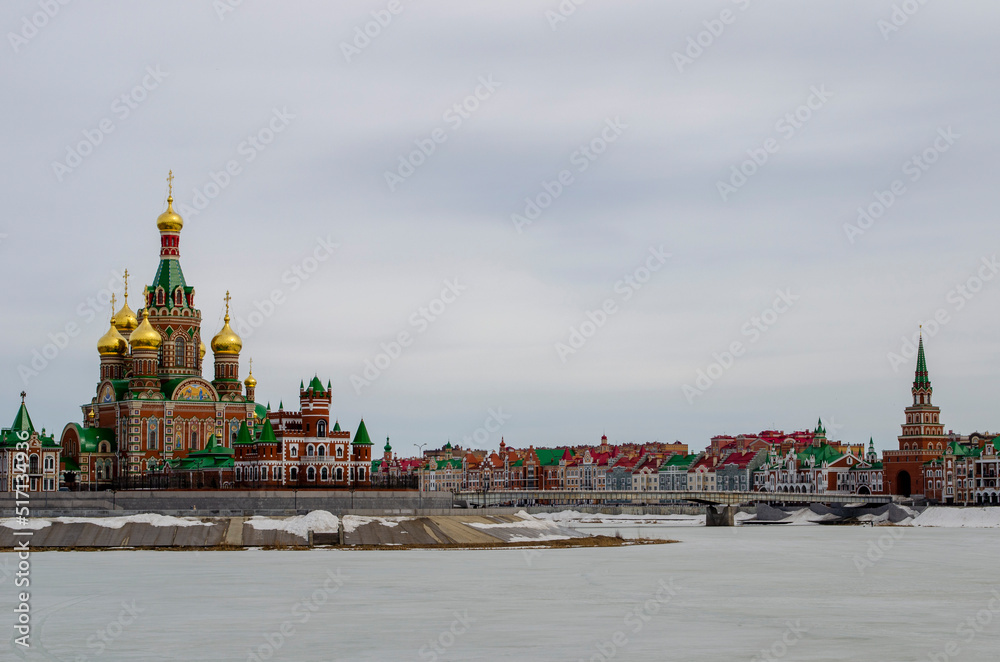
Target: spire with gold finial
(250,382)
(112,343)
(125,319)
(170,221)
(226,341)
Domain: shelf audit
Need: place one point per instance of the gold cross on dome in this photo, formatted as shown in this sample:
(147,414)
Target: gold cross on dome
(170,182)
(126,286)
(251,366)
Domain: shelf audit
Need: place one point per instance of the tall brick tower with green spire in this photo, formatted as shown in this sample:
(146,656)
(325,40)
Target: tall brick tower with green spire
(922,437)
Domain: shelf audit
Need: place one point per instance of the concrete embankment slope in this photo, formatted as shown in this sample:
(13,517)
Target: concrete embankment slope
(452,530)
(316,528)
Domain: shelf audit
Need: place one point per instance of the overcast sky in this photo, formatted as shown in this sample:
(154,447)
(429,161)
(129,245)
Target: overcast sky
(626,123)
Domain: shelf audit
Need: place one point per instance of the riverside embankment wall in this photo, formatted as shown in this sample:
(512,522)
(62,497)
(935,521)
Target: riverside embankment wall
(229,502)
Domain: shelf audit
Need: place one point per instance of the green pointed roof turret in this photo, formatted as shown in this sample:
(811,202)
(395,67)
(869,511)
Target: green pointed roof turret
(22,422)
(302,385)
(267,434)
(921,377)
(329,386)
(819,426)
(336,426)
(281,405)
(447,446)
(361,437)
(387,448)
(243,435)
(317,385)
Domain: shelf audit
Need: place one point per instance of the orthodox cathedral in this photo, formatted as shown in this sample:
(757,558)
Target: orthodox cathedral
(154,412)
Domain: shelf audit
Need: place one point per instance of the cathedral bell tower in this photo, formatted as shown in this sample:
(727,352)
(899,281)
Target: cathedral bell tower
(226,346)
(170,301)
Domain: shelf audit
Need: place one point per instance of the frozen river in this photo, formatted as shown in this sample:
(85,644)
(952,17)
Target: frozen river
(801,593)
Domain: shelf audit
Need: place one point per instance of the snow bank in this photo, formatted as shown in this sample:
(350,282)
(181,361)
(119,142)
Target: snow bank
(355,522)
(527,522)
(974,518)
(541,538)
(318,521)
(108,522)
(600,518)
(32,523)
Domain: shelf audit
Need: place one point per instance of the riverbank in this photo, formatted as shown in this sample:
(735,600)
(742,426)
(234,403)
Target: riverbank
(316,529)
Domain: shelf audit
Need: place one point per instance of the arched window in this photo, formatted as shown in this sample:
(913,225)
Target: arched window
(159,296)
(293,473)
(340,474)
(324,474)
(50,463)
(180,351)
(321,429)
(152,439)
(194,440)
(340,451)
(33,464)
(361,473)
(310,449)
(321,450)
(311,474)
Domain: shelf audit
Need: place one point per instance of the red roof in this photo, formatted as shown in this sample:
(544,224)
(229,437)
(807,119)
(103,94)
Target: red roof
(739,459)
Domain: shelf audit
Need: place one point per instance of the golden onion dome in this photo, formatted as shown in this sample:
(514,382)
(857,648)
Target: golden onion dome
(201,350)
(170,221)
(125,319)
(226,341)
(250,382)
(112,342)
(145,336)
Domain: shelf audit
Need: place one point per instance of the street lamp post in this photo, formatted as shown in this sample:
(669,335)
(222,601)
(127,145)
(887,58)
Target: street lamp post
(420,482)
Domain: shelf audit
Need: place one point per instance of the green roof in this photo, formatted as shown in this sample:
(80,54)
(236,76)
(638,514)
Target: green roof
(260,410)
(361,437)
(22,427)
(90,438)
(317,385)
(549,457)
(22,422)
(169,276)
(69,464)
(959,450)
(822,453)
(267,434)
(387,448)
(454,463)
(213,456)
(679,461)
(921,376)
(336,426)
(243,435)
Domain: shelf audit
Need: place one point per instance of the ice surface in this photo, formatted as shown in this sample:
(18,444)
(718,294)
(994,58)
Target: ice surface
(736,593)
(317,521)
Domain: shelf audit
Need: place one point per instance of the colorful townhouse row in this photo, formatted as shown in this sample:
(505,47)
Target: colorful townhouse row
(819,467)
